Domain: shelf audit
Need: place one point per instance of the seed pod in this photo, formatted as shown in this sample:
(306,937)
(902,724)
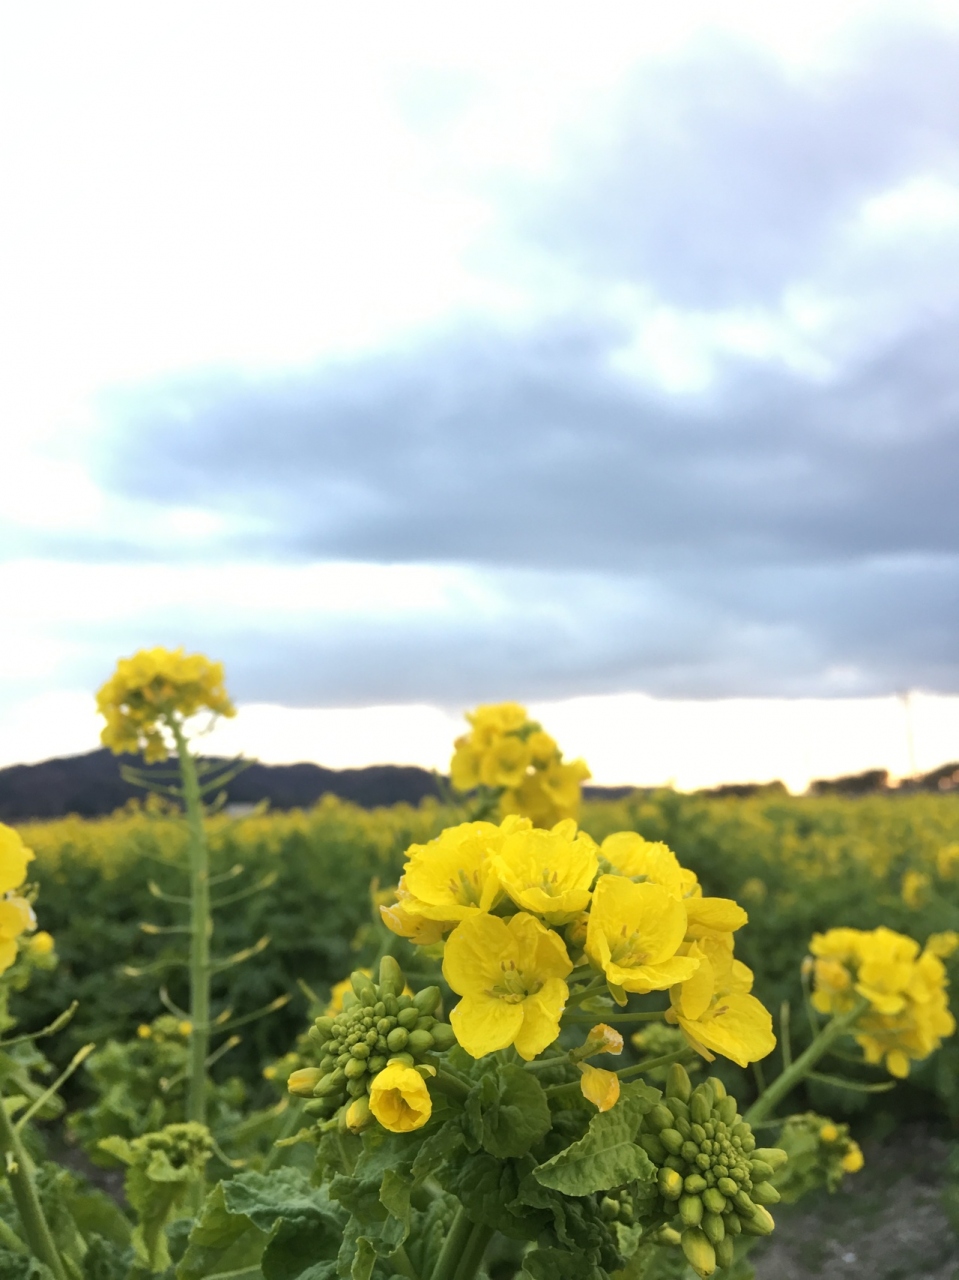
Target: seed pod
(713,1227)
(690,1210)
(678,1084)
(659,1117)
(419,1042)
(760,1224)
(700,1254)
(695,1183)
(726,1109)
(653,1147)
(760,1170)
(765,1193)
(392,981)
(700,1106)
(443,1037)
(672,1140)
(775,1157)
(427,1000)
(725,1252)
(670,1184)
(397,1039)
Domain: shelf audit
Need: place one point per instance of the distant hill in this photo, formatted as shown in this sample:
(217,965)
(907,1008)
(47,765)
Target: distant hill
(91,786)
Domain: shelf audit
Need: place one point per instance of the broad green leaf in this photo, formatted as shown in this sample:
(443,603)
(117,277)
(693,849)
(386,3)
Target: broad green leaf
(488,1189)
(221,1241)
(507,1111)
(559,1264)
(607,1155)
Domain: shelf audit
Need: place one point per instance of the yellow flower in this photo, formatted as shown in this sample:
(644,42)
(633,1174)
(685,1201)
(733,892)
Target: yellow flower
(548,872)
(269,1072)
(420,931)
(41,944)
(942,944)
(599,1087)
(454,876)
(16,916)
(399,1098)
(562,784)
(836,958)
(144,1031)
(14,856)
(601,1039)
(947,860)
(494,721)
(715,1010)
(510,974)
(153,689)
(886,961)
(504,764)
(829,1133)
(641,860)
(634,934)
(542,748)
(465,765)
(915,888)
(852,1161)
(185,1027)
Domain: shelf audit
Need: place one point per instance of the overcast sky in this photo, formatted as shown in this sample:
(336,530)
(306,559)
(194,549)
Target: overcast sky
(455,354)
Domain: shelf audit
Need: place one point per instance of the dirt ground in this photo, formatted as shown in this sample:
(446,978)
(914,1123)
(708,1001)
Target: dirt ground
(886,1223)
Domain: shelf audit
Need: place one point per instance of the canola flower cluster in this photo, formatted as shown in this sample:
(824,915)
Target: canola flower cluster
(821,1153)
(376,1054)
(711,1175)
(17,921)
(153,690)
(522,908)
(508,752)
(903,991)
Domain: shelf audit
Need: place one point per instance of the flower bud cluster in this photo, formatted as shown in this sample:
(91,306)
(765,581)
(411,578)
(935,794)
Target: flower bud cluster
(821,1153)
(377,1025)
(710,1173)
(619,1206)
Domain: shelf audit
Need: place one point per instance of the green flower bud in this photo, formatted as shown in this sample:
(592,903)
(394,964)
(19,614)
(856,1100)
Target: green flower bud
(361,984)
(760,1170)
(653,1147)
(698,1133)
(678,1084)
(683,1126)
(726,1110)
(403,1001)
(385,1025)
(392,981)
(608,1209)
(760,1224)
(327,1063)
(659,1118)
(329,1083)
(727,1187)
(361,1050)
(358,1115)
(717,1086)
(733,1224)
(392,1006)
(419,1041)
(355,1068)
(695,1183)
(714,1228)
(670,1184)
(316,1107)
(397,1039)
(675,1162)
(743,1203)
(427,1000)
(666,1235)
(408,1018)
(690,1210)
(356,1088)
(775,1157)
(672,1140)
(443,1037)
(324,1026)
(302,1083)
(376,1063)
(689,1151)
(700,1254)
(714,1200)
(700,1106)
(765,1193)
(725,1252)
(404,1059)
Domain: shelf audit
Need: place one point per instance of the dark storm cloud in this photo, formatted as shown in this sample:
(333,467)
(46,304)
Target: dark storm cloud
(773,532)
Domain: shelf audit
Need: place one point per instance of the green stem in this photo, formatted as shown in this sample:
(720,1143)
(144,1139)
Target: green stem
(200,930)
(648,1064)
(798,1070)
(452,1251)
(401,1263)
(20,1176)
(472,1257)
(653,1016)
(585,992)
(451,1085)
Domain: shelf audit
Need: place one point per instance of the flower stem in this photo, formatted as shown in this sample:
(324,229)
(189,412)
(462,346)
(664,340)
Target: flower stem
(20,1176)
(798,1070)
(479,1238)
(656,1015)
(454,1247)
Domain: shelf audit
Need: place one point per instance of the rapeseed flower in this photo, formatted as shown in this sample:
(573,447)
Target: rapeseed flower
(454,876)
(599,1087)
(153,690)
(399,1098)
(548,873)
(715,1010)
(510,975)
(16,918)
(634,935)
(14,856)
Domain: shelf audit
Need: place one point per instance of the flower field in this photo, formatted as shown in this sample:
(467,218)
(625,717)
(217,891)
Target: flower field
(509,1034)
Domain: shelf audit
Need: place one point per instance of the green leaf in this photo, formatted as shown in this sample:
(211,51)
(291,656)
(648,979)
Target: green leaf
(221,1241)
(488,1190)
(559,1264)
(507,1112)
(607,1155)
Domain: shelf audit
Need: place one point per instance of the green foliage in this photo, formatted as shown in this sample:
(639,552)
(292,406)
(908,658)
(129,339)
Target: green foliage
(507,1111)
(607,1156)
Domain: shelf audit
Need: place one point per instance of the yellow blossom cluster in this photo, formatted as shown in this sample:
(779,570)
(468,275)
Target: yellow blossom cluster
(153,690)
(521,908)
(16,914)
(508,752)
(907,1015)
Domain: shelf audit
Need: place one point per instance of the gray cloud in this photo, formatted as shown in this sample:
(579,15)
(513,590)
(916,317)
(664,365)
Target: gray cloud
(773,532)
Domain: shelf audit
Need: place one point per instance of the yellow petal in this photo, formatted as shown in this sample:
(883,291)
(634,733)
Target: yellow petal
(719,914)
(541,1015)
(599,1087)
(740,1028)
(484,1024)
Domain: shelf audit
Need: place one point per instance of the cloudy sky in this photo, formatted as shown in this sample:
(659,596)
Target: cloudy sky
(405,359)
